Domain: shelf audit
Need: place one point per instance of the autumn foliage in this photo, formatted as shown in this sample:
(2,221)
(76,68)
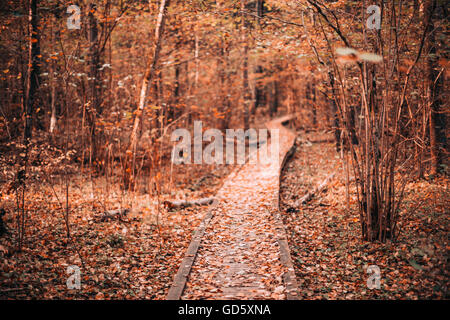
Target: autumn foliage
(90,96)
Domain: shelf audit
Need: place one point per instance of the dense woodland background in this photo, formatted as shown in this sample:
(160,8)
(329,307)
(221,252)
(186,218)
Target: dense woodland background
(86,117)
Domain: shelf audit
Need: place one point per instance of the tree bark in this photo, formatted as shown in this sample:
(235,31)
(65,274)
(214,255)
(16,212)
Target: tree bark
(245,85)
(257,95)
(95,82)
(274,101)
(314,105)
(435,85)
(148,77)
(33,69)
(260,10)
(334,112)
(54,34)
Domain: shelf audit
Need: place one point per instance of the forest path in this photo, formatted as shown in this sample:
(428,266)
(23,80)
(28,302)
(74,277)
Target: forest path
(240,250)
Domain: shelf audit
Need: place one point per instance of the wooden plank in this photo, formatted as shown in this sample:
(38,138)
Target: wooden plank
(180,279)
(179,282)
(289,278)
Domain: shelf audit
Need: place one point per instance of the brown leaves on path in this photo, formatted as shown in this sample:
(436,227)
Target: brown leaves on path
(239,255)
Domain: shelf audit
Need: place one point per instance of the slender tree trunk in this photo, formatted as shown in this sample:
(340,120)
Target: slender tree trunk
(93,57)
(197,66)
(260,10)
(173,111)
(223,66)
(187,93)
(313,104)
(274,101)
(148,77)
(435,85)
(161,103)
(245,85)
(311,101)
(334,112)
(33,69)
(257,90)
(95,82)
(225,100)
(31,91)
(53,34)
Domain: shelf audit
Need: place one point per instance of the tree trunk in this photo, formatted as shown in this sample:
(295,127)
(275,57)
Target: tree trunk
(197,66)
(172,113)
(148,77)
(311,101)
(274,101)
(54,34)
(334,112)
(257,99)
(435,85)
(225,100)
(33,70)
(314,105)
(245,85)
(260,10)
(95,82)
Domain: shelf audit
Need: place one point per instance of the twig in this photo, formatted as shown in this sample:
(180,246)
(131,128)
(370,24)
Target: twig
(311,194)
(13,289)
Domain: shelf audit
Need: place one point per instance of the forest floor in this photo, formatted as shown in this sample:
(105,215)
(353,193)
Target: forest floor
(131,258)
(138,256)
(324,236)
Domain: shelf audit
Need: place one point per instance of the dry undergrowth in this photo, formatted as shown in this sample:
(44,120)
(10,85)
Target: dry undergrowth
(134,257)
(324,237)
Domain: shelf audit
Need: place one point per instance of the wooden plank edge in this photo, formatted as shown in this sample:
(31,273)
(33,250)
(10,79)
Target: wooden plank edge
(179,283)
(289,278)
(180,279)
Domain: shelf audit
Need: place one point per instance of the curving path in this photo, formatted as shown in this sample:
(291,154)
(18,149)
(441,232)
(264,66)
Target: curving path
(240,249)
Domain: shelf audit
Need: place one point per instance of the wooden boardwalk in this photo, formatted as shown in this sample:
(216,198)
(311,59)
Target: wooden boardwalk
(240,250)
